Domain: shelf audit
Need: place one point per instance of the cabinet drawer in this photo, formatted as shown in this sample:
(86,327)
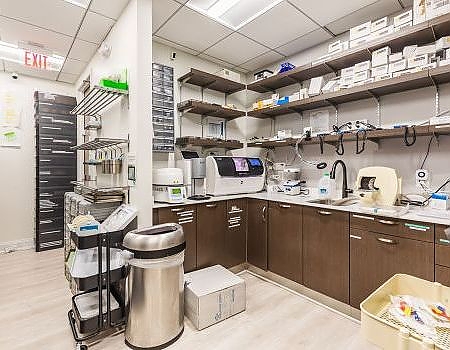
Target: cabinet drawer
(50,139)
(56,119)
(51,235)
(50,213)
(441,237)
(237,214)
(55,181)
(55,98)
(442,255)
(56,161)
(45,107)
(53,193)
(55,149)
(46,225)
(395,227)
(57,130)
(443,275)
(45,171)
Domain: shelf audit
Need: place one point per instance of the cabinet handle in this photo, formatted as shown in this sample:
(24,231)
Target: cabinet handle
(355,237)
(235,211)
(387,222)
(51,128)
(45,160)
(211,205)
(322,212)
(61,141)
(43,222)
(417,227)
(176,210)
(49,232)
(264,211)
(46,211)
(186,221)
(285,206)
(60,152)
(363,217)
(233,226)
(387,241)
(186,213)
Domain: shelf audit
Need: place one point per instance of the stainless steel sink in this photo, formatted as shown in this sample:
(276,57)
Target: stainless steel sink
(335,202)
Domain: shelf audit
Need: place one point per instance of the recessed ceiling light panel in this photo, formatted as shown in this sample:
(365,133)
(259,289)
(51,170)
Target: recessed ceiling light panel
(80,3)
(233,13)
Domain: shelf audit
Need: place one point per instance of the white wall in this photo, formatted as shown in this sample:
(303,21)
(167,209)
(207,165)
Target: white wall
(17,177)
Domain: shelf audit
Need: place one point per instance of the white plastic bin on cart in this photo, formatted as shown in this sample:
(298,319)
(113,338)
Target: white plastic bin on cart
(381,329)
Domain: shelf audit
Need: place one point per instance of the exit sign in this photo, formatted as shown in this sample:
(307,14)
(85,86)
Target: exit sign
(35,60)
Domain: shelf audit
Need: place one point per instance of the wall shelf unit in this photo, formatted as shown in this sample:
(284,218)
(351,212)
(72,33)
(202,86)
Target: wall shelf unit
(210,81)
(208,143)
(439,75)
(99,143)
(422,33)
(372,135)
(209,109)
(98,99)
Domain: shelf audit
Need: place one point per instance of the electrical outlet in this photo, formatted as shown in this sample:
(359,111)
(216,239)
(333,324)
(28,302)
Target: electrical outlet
(422,179)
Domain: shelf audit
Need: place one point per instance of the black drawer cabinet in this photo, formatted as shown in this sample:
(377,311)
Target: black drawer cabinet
(56,165)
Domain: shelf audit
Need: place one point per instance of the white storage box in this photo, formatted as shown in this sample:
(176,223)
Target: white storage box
(418,61)
(212,295)
(335,47)
(379,24)
(228,74)
(397,66)
(315,86)
(294,97)
(381,56)
(409,51)
(437,8)
(360,31)
(426,49)
(381,329)
(347,72)
(443,43)
(383,31)
(402,26)
(420,11)
(395,57)
(360,41)
(361,76)
(362,66)
(380,70)
(346,80)
(383,77)
(403,18)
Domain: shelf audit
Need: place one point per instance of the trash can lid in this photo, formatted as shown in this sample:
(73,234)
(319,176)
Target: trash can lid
(155,242)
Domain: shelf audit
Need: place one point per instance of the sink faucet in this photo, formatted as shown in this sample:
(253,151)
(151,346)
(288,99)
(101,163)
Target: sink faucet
(345,189)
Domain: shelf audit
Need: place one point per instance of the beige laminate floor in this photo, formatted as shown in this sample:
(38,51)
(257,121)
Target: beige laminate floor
(34,300)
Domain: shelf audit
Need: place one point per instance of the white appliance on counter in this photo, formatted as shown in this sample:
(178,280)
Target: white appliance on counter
(234,175)
(168,185)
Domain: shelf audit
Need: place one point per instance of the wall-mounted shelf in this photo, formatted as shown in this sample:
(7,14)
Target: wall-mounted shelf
(372,135)
(419,34)
(211,81)
(209,109)
(99,143)
(208,143)
(97,100)
(406,82)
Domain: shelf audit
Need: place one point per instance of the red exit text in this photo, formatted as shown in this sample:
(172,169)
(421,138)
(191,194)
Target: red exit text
(35,60)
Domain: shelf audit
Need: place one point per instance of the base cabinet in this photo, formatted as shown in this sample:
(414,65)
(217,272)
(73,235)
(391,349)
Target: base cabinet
(235,236)
(257,233)
(326,252)
(285,240)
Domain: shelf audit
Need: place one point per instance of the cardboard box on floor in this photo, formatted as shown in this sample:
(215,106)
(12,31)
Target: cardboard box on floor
(212,295)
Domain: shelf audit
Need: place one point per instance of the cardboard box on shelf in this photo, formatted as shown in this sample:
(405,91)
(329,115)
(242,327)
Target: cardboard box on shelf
(395,57)
(294,97)
(379,24)
(315,86)
(437,8)
(348,72)
(364,82)
(346,81)
(360,31)
(403,18)
(304,93)
(362,66)
(398,66)
(380,70)
(381,56)
(445,62)
(212,295)
(402,26)
(361,76)
(383,31)
(418,61)
(443,43)
(429,66)
(335,47)
(383,77)
(360,41)
(409,51)
(425,49)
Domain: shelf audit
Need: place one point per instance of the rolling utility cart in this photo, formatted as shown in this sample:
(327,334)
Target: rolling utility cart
(99,270)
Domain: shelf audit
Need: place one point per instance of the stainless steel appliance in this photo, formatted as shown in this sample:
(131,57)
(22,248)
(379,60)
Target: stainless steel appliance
(194,174)
(155,286)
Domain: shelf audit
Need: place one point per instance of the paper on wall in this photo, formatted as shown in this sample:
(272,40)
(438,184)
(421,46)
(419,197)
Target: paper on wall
(319,121)
(10,109)
(10,137)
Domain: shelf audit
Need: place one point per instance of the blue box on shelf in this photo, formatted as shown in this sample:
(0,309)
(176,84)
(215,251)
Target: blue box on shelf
(286,66)
(283,100)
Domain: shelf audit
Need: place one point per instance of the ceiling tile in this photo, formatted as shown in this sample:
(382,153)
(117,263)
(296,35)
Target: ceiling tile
(174,45)
(95,27)
(41,13)
(193,30)
(379,9)
(261,61)
(108,8)
(73,66)
(161,11)
(216,61)
(13,32)
(240,70)
(21,69)
(304,42)
(291,23)
(326,11)
(236,49)
(82,50)
(68,78)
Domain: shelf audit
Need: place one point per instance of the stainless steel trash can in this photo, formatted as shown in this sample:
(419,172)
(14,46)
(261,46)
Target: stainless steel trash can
(155,286)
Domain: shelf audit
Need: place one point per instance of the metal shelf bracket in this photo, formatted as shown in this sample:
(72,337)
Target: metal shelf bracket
(377,100)
(336,111)
(436,96)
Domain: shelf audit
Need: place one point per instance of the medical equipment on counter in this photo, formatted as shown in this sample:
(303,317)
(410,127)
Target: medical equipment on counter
(234,175)
(295,188)
(378,186)
(291,174)
(168,185)
(194,174)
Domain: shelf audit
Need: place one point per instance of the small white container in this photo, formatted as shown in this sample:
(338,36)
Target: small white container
(379,24)
(381,56)
(383,31)
(403,18)
(418,61)
(397,66)
(395,57)
(362,66)
(324,187)
(380,70)
(361,76)
(360,31)
(402,26)
(348,72)
(360,41)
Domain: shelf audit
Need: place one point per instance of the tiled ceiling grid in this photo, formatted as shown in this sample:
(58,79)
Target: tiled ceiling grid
(59,27)
(286,29)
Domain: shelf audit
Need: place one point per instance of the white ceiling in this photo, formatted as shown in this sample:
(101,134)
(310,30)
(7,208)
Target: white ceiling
(60,27)
(288,28)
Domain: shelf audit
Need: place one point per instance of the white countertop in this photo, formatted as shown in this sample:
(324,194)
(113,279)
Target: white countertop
(414,213)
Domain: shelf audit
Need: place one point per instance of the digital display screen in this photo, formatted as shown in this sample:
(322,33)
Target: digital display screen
(176,191)
(255,162)
(240,164)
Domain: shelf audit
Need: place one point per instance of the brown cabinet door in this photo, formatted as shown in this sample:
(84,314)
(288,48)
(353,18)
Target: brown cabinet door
(285,239)
(211,227)
(257,233)
(374,258)
(235,236)
(443,275)
(326,252)
(186,216)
